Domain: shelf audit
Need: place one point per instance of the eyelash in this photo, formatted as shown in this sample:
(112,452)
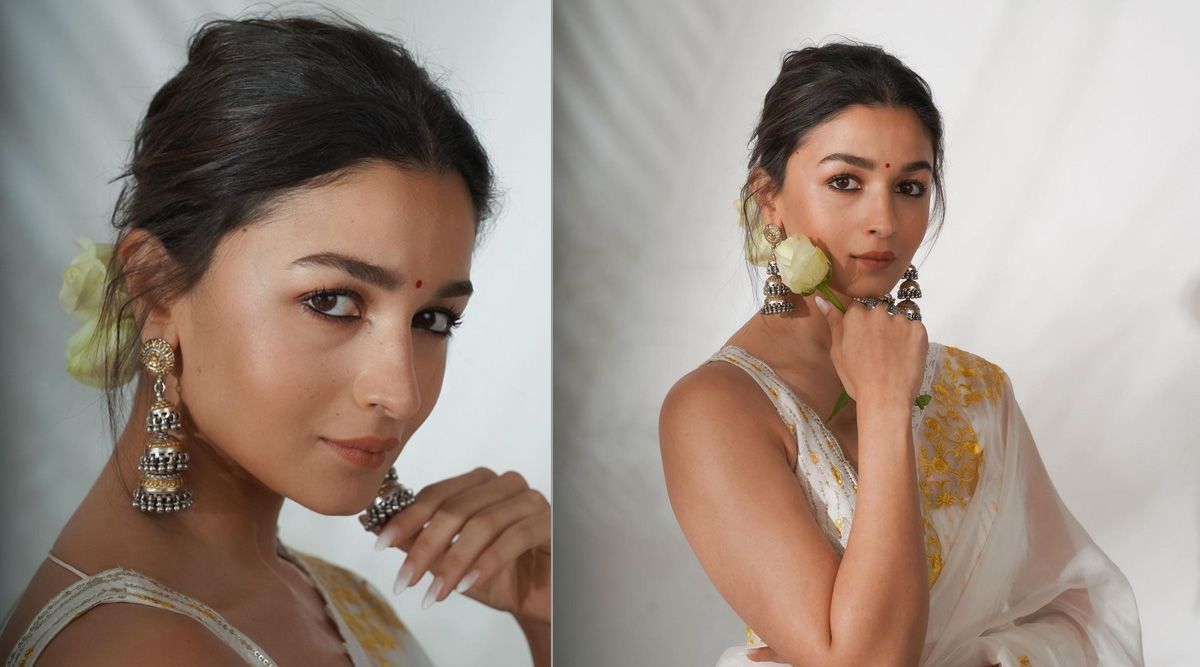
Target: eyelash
(839,177)
(454,317)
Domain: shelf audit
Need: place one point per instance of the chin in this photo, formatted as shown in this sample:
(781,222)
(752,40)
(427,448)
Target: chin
(345,503)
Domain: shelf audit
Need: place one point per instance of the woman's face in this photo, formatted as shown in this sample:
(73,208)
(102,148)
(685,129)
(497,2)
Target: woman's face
(860,183)
(328,321)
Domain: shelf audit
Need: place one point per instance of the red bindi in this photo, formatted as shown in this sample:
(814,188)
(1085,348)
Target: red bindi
(418,284)
(887,165)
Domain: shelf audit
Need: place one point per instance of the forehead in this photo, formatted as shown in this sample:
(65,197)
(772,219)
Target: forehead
(410,220)
(876,133)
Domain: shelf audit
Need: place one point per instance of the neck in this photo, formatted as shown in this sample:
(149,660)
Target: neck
(805,324)
(234,519)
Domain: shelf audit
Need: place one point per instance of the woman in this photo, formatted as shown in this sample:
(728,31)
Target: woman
(294,251)
(916,523)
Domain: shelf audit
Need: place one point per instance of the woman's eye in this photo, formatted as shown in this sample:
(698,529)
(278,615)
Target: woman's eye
(842,182)
(333,304)
(439,322)
(916,188)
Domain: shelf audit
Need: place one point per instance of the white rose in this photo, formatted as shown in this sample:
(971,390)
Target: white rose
(758,251)
(84,280)
(802,265)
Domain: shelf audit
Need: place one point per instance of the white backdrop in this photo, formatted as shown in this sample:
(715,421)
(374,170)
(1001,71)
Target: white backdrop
(76,78)
(1069,257)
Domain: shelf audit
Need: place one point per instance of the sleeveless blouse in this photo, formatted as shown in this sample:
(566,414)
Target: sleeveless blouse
(371,633)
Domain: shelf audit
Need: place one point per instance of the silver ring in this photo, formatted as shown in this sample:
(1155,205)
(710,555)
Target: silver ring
(868,301)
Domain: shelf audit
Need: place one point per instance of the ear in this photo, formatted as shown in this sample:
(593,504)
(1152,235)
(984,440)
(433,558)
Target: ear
(144,264)
(764,189)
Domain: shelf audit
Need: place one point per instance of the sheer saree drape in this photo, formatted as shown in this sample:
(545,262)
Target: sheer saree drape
(1014,579)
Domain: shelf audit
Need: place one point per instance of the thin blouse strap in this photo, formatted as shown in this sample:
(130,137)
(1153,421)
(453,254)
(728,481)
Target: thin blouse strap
(120,585)
(79,573)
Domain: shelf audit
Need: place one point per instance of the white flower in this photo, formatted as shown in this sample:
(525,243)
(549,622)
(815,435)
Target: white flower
(758,250)
(84,280)
(91,348)
(802,265)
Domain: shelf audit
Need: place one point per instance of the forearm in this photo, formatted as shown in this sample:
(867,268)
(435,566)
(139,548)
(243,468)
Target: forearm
(880,599)
(538,635)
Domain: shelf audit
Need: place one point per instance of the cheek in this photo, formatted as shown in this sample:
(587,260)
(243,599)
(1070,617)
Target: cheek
(249,383)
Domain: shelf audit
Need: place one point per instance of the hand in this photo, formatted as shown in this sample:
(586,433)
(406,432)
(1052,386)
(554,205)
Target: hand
(878,357)
(485,534)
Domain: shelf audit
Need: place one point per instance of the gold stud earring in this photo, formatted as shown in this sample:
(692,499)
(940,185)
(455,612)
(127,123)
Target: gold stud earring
(163,461)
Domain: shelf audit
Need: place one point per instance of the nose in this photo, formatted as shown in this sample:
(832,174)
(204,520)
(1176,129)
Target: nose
(881,219)
(388,378)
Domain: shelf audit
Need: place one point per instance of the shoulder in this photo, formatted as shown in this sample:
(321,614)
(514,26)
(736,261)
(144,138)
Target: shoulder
(132,634)
(716,424)
(715,398)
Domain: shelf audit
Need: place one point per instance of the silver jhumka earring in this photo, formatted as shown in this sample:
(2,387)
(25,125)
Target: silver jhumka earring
(163,461)
(392,497)
(775,292)
(909,290)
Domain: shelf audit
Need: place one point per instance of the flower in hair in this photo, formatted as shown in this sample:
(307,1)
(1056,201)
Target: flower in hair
(82,296)
(758,249)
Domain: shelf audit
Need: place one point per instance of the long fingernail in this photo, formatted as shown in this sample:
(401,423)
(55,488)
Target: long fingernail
(822,304)
(468,581)
(435,589)
(387,537)
(402,578)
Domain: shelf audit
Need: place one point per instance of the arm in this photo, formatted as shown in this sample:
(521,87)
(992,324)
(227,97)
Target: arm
(745,516)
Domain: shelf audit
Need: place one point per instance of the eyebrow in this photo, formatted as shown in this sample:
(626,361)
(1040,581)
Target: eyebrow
(864,163)
(377,275)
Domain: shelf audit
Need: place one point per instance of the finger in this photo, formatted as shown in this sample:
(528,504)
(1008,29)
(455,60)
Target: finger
(528,533)
(832,315)
(457,568)
(446,523)
(763,654)
(409,521)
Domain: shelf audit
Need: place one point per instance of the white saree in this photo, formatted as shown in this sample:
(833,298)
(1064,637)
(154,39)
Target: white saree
(1014,579)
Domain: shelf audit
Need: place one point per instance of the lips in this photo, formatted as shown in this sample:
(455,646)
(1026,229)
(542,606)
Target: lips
(881,255)
(371,443)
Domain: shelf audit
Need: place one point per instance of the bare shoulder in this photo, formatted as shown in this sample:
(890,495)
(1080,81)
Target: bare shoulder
(715,420)
(132,634)
(714,401)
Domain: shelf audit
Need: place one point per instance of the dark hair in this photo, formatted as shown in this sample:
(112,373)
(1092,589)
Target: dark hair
(265,106)
(818,82)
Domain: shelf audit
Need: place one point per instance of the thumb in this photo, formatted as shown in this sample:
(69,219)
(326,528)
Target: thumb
(832,315)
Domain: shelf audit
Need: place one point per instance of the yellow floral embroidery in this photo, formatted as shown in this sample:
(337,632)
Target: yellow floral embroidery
(1025,661)
(933,551)
(948,463)
(371,619)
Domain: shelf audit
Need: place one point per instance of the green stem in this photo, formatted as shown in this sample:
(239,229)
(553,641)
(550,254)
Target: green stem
(824,287)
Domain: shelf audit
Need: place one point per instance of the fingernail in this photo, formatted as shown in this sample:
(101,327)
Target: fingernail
(822,304)
(387,537)
(435,589)
(402,578)
(468,581)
